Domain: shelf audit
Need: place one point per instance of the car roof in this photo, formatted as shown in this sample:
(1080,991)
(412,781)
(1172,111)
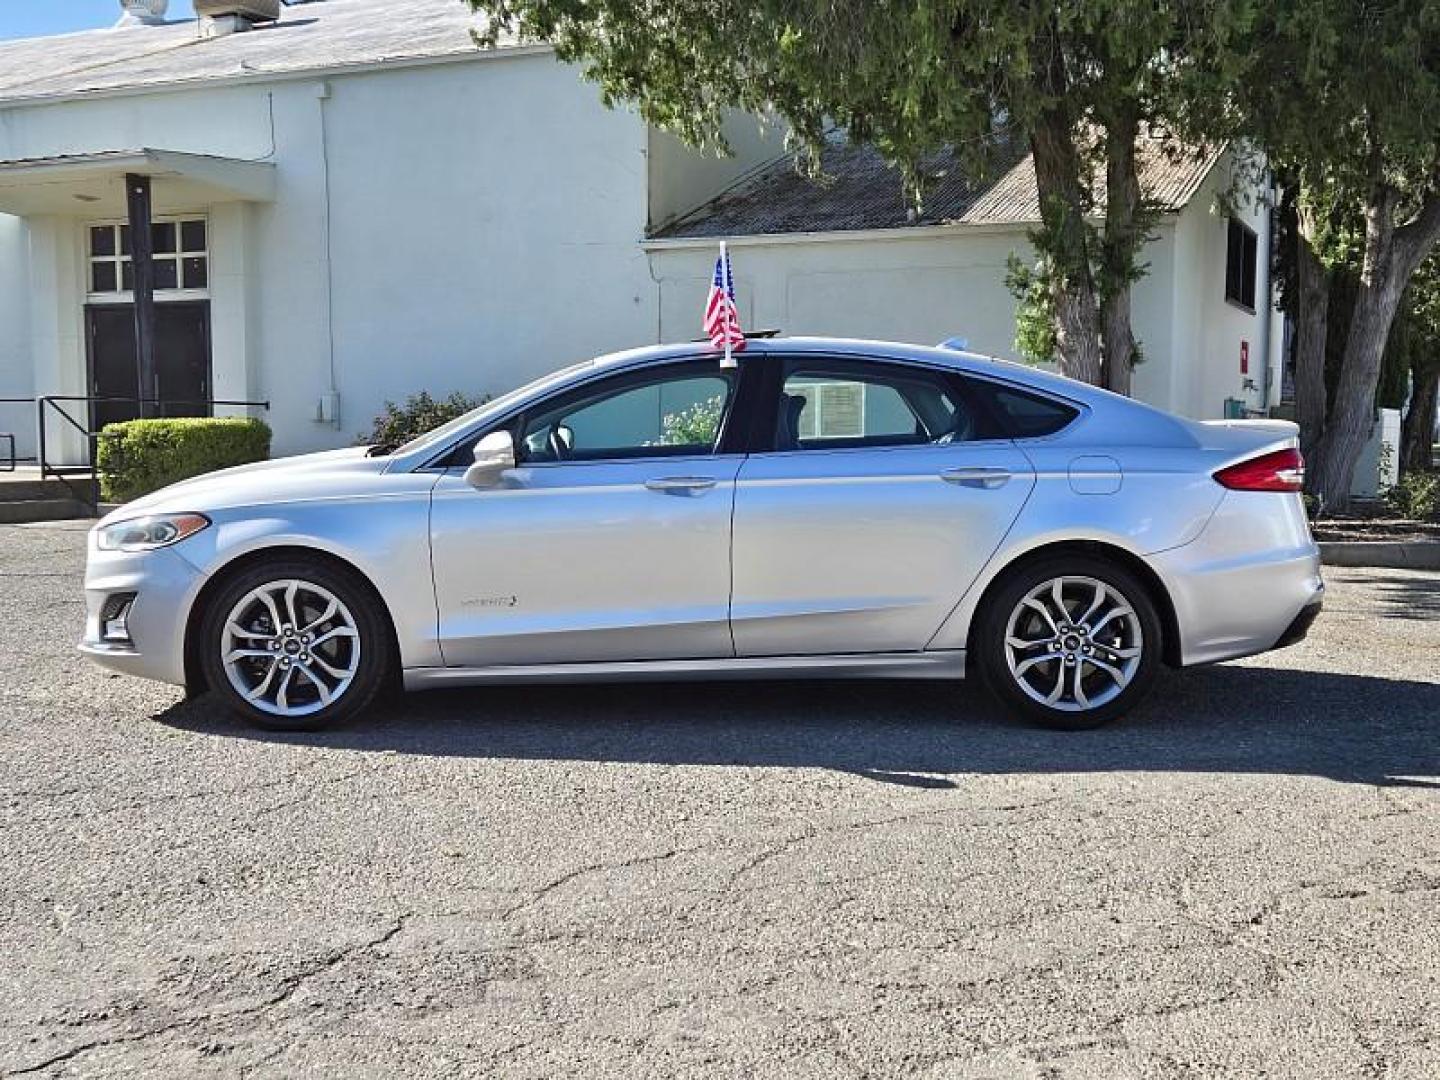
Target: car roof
(935,356)
(1123,418)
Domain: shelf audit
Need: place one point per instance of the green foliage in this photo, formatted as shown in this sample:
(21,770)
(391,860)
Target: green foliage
(1034,290)
(696,426)
(1416,496)
(398,424)
(137,457)
(1344,94)
(1414,345)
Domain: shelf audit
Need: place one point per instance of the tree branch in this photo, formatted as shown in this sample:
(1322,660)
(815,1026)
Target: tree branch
(1415,239)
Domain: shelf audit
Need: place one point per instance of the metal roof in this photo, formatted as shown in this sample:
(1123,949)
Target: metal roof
(317,36)
(859,190)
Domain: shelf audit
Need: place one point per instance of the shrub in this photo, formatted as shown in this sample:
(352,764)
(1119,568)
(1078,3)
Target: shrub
(1416,496)
(420,413)
(695,426)
(137,457)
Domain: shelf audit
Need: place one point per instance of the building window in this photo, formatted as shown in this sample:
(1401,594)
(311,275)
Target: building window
(182,257)
(1240,257)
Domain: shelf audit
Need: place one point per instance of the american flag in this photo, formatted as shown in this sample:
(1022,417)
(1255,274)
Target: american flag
(722,317)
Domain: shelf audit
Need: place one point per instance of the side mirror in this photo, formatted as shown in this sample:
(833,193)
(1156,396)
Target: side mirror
(494,454)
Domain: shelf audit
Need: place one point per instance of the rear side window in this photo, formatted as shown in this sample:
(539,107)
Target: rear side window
(849,403)
(1021,414)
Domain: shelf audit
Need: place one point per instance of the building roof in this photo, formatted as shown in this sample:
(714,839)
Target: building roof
(323,35)
(858,190)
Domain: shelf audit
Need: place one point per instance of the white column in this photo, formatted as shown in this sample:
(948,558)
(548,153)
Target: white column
(233,374)
(57,325)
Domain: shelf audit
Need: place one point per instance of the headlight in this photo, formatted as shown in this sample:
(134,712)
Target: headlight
(149,533)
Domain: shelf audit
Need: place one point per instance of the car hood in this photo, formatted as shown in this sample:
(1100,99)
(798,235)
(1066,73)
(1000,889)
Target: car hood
(328,474)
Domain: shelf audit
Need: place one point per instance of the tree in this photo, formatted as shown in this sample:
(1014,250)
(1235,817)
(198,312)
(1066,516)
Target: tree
(1343,96)
(1075,80)
(1414,355)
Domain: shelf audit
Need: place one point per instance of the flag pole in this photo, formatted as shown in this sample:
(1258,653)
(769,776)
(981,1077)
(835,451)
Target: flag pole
(729,360)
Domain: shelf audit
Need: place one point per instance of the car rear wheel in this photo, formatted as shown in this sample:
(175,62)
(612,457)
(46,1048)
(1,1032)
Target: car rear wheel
(1070,642)
(295,646)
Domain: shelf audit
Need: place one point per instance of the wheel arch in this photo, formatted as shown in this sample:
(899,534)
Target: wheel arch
(195,682)
(1159,595)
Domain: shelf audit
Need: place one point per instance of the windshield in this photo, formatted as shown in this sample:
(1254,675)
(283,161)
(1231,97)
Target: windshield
(441,434)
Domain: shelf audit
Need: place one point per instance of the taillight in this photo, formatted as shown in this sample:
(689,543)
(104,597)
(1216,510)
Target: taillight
(1283,470)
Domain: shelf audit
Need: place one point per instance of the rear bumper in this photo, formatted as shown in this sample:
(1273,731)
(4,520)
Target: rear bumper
(1249,583)
(1300,625)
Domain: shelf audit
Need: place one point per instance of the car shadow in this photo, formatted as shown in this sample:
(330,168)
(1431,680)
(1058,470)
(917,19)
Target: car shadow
(1349,728)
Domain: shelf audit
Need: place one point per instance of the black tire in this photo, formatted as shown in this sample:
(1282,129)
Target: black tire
(371,668)
(1078,650)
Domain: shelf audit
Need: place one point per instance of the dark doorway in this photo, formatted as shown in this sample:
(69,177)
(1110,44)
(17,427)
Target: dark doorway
(182,359)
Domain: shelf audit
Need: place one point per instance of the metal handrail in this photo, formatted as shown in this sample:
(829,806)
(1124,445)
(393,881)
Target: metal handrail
(57,402)
(9,461)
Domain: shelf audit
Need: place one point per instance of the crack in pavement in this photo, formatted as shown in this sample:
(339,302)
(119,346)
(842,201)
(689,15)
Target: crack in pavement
(594,868)
(288,988)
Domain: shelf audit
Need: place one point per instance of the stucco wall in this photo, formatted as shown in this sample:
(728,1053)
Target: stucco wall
(1209,328)
(16,378)
(681,179)
(921,286)
(485,219)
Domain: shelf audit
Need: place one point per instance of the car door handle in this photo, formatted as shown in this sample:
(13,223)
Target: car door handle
(977,477)
(681,484)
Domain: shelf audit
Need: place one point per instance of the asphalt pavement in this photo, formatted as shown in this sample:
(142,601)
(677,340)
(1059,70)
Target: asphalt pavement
(770,879)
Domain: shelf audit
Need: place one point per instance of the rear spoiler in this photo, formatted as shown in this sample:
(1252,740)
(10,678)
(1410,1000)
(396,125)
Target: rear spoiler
(1245,437)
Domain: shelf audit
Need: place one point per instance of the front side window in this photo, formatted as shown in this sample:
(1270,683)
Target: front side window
(181,257)
(675,411)
(841,404)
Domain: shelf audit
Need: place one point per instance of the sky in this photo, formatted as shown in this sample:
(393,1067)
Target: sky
(32,18)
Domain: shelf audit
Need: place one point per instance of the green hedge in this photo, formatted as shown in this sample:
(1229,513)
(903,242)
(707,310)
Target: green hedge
(137,457)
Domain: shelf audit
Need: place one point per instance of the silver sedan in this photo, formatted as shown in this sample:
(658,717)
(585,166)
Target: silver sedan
(829,508)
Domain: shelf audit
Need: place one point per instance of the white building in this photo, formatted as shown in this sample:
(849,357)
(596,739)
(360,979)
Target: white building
(354,203)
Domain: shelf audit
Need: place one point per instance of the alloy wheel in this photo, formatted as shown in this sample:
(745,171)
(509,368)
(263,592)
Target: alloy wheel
(290,647)
(1073,643)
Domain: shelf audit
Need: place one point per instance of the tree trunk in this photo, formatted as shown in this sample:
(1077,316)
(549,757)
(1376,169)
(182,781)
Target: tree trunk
(1310,311)
(1123,235)
(1059,179)
(1391,258)
(1417,437)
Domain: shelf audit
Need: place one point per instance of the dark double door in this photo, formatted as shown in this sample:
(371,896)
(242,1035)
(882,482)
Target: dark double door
(182,360)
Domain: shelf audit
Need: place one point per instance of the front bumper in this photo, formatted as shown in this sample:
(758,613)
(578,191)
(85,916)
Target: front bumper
(165,585)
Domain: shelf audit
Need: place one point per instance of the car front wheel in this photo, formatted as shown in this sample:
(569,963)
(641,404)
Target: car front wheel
(1071,642)
(295,646)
